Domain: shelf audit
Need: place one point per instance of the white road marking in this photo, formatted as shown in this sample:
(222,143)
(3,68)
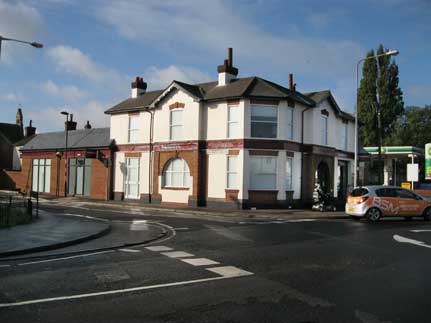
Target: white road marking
(225,272)
(181,229)
(301,220)
(177,254)
(64,258)
(129,250)
(229,271)
(420,231)
(158,248)
(1,266)
(411,241)
(227,233)
(139,225)
(200,261)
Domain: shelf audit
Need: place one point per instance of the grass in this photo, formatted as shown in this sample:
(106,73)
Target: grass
(11,216)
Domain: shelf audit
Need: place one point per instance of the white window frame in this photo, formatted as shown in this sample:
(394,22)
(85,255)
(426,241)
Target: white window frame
(176,125)
(290,114)
(43,164)
(324,132)
(185,174)
(133,133)
(232,124)
(261,172)
(230,172)
(254,106)
(289,174)
(344,136)
(127,178)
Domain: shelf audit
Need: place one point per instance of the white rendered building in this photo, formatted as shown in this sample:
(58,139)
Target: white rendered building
(235,142)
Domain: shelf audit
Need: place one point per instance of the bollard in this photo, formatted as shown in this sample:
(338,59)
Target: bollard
(30,208)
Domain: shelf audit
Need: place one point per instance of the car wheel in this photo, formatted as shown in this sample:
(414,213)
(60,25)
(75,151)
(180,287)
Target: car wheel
(427,214)
(374,214)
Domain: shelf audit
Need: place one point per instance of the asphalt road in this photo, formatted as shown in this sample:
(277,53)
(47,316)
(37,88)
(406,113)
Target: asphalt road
(236,271)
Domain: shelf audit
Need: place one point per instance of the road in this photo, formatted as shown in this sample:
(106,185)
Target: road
(213,270)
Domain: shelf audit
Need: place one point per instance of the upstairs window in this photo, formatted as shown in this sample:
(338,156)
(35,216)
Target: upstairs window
(176,125)
(324,129)
(289,123)
(344,137)
(133,136)
(232,121)
(263,121)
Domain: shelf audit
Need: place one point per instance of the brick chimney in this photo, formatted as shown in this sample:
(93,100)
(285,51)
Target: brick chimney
(292,86)
(70,125)
(138,87)
(30,130)
(226,72)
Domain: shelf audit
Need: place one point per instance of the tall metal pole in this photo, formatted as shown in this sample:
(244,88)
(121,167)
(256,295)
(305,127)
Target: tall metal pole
(34,44)
(65,156)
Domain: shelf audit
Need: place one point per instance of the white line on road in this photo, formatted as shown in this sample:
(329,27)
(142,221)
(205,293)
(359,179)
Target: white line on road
(416,231)
(227,233)
(233,272)
(129,250)
(181,228)
(64,258)
(1,266)
(301,220)
(411,241)
(177,254)
(158,248)
(200,261)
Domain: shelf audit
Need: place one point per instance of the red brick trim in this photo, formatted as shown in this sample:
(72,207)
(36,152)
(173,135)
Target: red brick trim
(233,152)
(233,102)
(231,195)
(176,105)
(133,147)
(263,101)
(137,154)
(263,152)
(134,113)
(175,188)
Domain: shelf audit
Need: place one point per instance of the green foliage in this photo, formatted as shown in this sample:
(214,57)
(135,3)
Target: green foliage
(10,216)
(379,91)
(412,129)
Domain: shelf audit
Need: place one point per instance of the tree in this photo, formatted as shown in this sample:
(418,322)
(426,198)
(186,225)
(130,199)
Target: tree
(379,91)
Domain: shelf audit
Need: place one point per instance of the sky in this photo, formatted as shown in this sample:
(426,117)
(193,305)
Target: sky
(94,49)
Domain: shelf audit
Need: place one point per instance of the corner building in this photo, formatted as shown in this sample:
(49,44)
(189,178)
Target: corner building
(232,143)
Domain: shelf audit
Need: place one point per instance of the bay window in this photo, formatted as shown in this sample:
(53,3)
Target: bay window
(263,172)
(264,121)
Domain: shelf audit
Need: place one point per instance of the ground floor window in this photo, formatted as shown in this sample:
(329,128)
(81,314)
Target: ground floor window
(79,176)
(289,174)
(41,170)
(263,173)
(232,172)
(176,173)
(132,178)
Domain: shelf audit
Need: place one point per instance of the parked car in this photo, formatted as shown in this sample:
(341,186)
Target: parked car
(375,202)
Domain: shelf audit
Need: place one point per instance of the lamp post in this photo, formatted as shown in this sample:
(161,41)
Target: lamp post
(388,53)
(65,151)
(34,44)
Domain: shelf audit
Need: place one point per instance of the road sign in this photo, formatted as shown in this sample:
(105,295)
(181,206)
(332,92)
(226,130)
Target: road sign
(412,172)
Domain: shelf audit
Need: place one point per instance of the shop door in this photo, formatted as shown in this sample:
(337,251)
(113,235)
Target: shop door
(80,176)
(132,178)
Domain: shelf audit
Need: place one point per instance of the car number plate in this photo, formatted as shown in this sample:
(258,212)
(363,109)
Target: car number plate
(350,209)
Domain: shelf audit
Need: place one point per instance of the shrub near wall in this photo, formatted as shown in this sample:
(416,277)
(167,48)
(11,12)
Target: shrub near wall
(11,215)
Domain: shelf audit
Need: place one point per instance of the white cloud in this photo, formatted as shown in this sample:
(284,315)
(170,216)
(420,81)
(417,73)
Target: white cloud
(67,92)
(50,119)
(12,97)
(19,21)
(159,78)
(73,61)
(207,28)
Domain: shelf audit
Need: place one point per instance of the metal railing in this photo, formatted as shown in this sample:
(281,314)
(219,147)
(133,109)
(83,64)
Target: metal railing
(16,209)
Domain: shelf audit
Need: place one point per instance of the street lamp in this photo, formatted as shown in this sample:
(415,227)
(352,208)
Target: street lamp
(34,44)
(388,53)
(65,151)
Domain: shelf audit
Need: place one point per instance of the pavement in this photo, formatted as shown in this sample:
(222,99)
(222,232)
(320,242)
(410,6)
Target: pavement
(50,231)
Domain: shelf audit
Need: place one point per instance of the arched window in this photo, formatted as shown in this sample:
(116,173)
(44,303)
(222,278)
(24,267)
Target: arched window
(176,173)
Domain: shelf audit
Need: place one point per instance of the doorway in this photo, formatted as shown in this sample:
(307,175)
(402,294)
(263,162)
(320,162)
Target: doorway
(79,176)
(322,177)
(342,180)
(132,178)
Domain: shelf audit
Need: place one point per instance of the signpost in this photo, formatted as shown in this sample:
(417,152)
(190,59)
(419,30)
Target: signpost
(413,173)
(428,161)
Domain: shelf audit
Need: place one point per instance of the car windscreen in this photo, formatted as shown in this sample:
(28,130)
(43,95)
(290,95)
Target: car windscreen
(361,191)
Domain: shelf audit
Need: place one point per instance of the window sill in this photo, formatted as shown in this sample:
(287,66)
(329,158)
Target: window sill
(175,188)
(254,190)
(231,190)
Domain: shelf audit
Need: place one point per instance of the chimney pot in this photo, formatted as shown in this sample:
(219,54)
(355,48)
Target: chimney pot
(291,86)
(138,87)
(30,130)
(229,52)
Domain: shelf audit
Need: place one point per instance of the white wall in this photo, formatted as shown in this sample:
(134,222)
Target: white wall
(120,128)
(175,196)
(215,121)
(119,169)
(16,160)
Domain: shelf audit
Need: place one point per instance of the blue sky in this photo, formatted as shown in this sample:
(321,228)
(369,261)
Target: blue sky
(93,49)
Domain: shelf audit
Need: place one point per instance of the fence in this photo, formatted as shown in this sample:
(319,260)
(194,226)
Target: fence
(15,209)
